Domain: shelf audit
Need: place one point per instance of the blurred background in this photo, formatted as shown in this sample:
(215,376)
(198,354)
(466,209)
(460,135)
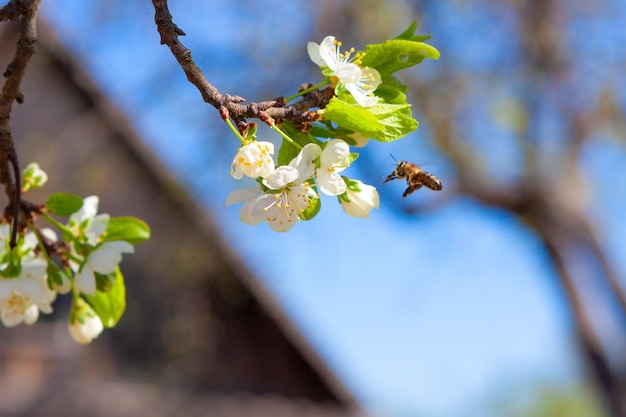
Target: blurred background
(502,295)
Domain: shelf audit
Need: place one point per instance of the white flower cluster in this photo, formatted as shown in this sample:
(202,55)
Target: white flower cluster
(90,256)
(26,287)
(288,191)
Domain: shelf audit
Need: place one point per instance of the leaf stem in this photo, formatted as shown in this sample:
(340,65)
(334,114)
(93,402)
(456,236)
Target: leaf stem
(284,135)
(61,226)
(235,131)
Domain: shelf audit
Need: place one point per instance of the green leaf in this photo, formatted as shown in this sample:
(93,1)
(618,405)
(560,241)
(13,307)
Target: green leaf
(397,54)
(128,228)
(111,305)
(351,115)
(64,204)
(286,153)
(409,34)
(325,129)
(383,122)
(392,90)
(55,276)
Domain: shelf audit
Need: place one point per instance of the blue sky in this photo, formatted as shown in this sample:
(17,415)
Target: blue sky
(433,314)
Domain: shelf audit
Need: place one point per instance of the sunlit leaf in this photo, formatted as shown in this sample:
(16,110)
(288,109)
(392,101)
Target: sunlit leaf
(383,122)
(64,204)
(129,229)
(110,306)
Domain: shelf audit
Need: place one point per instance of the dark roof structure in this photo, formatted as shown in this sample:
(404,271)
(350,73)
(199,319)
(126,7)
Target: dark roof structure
(201,334)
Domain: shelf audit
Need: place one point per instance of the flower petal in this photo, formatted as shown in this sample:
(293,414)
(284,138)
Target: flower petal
(336,154)
(361,202)
(282,216)
(31,314)
(348,73)
(363,98)
(104,260)
(97,226)
(11,316)
(35,269)
(363,89)
(240,195)
(330,182)
(305,161)
(281,177)
(255,211)
(87,211)
(314,53)
(30,241)
(329,53)
(85,281)
(119,245)
(49,234)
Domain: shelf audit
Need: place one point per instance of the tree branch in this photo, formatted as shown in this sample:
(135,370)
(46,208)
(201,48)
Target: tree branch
(27,11)
(230,105)
(610,275)
(591,346)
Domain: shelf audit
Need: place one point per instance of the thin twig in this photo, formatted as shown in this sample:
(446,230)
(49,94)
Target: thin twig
(26,10)
(226,104)
(16,197)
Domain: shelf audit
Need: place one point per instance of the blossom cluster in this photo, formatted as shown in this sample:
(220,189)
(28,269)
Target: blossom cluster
(84,263)
(287,193)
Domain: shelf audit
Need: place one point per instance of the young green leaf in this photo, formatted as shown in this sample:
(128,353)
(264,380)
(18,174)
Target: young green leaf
(351,115)
(397,54)
(383,122)
(64,204)
(110,306)
(409,34)
(392,90)
(127,228)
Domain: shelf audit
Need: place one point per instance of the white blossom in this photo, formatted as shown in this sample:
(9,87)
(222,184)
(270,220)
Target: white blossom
(84,324)
(253,160)
(359,199)
(360,82)
(334,158)
(85,221)
(33,177)
(24,296)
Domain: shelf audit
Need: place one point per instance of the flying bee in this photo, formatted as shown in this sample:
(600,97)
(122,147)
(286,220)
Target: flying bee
(416,177)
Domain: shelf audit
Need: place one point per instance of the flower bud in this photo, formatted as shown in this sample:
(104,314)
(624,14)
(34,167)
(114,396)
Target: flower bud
(359,199)
(33,177)
(84,324)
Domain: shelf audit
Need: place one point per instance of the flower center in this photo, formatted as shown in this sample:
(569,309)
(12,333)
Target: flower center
(15,305)
(348,73)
